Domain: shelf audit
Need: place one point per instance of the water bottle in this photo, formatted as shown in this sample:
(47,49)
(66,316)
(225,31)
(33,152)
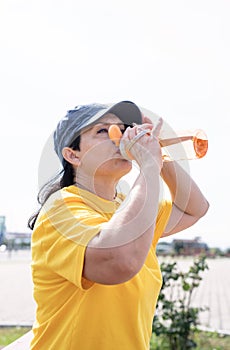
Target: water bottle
(184,145)
(179,145)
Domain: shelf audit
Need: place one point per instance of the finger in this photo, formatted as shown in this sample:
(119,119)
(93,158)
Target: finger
(158,127)
(146,119)
(144,126)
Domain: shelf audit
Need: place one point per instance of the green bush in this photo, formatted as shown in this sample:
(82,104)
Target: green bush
(175,318)
(204,340)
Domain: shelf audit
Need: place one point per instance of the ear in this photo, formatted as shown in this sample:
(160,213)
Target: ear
(71,156)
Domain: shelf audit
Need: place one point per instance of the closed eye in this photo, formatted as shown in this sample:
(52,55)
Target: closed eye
(105,130)
(102,130)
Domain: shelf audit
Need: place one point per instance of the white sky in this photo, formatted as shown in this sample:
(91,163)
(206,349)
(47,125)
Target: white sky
(171,57)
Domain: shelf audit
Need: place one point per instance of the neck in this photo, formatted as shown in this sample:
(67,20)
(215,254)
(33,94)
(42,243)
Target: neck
(103,187)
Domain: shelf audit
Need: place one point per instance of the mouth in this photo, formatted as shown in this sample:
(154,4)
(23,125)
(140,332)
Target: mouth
(119,156)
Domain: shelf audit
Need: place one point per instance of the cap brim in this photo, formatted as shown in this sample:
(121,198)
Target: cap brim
(127,111)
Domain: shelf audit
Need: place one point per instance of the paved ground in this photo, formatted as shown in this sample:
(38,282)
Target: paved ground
(213,293)
(16,298)
(18,308)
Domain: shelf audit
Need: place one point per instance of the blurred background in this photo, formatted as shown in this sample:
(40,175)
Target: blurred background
(170,57)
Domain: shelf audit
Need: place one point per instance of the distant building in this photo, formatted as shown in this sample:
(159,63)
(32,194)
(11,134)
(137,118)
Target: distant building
(17,240)
(189,246)
(164,248)
(183,247)
(2,229)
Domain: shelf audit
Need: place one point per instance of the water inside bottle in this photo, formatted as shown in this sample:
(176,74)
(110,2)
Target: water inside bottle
(200,147)
(184,147)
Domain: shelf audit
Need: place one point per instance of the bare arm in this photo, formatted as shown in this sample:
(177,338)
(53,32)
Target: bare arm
(119,251)
(189,204)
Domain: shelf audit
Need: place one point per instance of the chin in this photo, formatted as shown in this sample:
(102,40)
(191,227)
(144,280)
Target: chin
(124,167)
(120,167)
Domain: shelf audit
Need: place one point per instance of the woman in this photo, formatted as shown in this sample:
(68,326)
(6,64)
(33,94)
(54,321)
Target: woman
(95,272)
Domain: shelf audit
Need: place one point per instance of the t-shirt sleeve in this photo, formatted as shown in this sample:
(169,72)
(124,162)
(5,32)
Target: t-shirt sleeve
(67,229)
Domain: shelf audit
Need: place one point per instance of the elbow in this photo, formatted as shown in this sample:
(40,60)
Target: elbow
(110,267)
(201,211)
(132,267)
(204,209)
(126,269)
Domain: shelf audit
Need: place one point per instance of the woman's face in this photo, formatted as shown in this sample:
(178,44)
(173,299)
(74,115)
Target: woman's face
(98,155)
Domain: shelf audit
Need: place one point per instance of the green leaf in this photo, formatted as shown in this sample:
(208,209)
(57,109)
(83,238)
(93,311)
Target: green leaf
(186,286)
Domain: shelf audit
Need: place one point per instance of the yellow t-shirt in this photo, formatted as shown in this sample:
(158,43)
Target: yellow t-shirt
(76,314)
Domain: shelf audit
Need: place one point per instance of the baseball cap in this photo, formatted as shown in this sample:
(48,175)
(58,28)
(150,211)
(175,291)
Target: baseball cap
(84,116)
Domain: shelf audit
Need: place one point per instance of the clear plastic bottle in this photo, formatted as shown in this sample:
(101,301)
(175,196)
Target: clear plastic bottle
(185,144)
(182,145)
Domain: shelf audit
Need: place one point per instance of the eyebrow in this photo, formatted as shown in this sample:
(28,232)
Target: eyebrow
(110,123)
